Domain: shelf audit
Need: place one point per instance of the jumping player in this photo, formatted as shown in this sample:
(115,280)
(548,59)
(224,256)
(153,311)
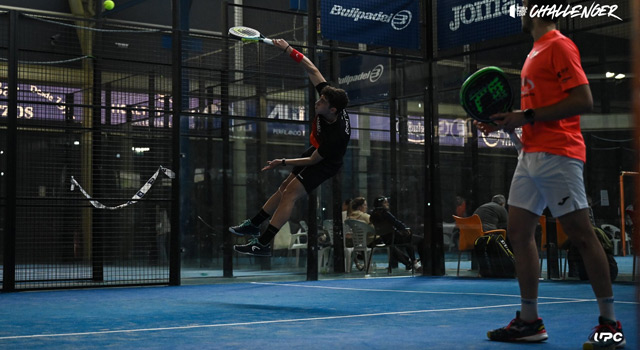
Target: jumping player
(329,138)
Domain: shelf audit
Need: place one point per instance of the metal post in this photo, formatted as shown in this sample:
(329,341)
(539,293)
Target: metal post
(312,235)
(9,267)
(433,235)
(227,245)
(176,92)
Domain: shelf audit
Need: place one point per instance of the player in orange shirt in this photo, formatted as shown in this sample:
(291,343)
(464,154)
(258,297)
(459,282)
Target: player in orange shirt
(554,92)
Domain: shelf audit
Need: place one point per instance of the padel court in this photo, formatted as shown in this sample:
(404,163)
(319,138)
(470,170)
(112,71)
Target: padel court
(377,313)
(133,134)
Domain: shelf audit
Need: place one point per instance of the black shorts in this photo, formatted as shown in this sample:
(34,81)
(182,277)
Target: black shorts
(312,176)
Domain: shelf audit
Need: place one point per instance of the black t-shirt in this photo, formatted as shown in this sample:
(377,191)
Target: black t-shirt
(385,222)
(331,140)
(493,216)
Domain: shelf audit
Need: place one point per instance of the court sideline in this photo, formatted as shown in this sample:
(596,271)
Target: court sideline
(374,313)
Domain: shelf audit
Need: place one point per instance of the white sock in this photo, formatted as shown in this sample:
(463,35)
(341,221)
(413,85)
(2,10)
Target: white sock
(528,309)
(606,308)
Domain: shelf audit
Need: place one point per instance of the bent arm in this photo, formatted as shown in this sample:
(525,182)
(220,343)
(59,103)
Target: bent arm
(314,158)
(577,102)
(399,225)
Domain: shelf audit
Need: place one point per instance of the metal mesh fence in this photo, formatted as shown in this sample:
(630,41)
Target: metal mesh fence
(91,107)
(94,103)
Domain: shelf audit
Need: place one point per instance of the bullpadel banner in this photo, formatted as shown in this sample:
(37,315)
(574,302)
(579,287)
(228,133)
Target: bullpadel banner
(379,22)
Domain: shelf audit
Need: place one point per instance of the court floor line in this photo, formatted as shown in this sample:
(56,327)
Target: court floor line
(252,323)
(413,291)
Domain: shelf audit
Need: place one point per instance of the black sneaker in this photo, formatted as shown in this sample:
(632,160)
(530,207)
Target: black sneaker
(254,247)
(245,229)
(520,331)
(606,335)
(356,260)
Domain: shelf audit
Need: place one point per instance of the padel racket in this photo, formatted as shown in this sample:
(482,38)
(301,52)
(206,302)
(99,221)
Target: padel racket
(248,34)
(487,92)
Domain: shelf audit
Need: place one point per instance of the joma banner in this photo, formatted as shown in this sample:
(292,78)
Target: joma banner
(463,22)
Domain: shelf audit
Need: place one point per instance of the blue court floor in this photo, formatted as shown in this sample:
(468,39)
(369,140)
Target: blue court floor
(373,313)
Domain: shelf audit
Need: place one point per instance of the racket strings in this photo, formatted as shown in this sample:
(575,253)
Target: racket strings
(246,32)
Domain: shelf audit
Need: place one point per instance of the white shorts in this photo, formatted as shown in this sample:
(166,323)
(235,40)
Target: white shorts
(548,180)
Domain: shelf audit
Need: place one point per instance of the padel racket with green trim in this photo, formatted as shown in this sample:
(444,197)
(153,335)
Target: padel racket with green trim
(248,34)
(485,93)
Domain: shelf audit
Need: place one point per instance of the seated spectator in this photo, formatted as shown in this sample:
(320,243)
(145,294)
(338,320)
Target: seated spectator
(359,210)
(394,232)
(493,214)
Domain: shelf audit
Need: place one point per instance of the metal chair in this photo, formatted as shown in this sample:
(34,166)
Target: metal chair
(562,238)
(324,253)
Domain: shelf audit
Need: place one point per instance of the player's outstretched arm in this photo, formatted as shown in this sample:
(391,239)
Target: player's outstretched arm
(314,74)
(314,158)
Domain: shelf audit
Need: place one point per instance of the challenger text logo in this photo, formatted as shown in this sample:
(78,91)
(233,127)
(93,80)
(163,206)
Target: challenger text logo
(479,11)
(373,75)
(398,21)
(568,10)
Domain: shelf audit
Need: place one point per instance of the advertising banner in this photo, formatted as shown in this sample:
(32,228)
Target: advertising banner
(378,22)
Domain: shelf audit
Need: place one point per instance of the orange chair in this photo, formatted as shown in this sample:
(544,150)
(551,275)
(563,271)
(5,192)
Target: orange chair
(470,230)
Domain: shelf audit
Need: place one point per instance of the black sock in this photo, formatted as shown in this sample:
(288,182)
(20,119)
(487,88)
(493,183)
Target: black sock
(260,218)
(268,235)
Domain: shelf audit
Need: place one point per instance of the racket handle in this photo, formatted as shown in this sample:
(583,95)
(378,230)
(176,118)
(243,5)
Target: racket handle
(516,141)
(267,41)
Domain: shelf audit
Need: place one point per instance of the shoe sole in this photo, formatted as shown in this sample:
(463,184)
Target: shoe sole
(243,234)
(596,346)
(536,338)
(247,253)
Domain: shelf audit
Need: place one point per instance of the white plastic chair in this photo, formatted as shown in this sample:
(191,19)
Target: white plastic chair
(360,231)
(348,251)
(299,240)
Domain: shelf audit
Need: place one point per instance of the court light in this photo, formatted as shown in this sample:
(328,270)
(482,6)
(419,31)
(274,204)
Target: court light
(610,74)
(76,143)
(620,76)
